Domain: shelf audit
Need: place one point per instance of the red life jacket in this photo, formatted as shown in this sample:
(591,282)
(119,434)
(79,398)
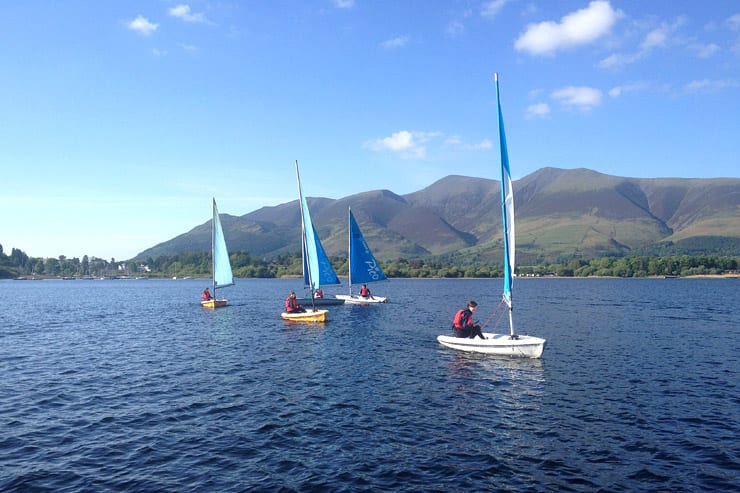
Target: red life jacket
(460,319)
(365,292)
(289,304)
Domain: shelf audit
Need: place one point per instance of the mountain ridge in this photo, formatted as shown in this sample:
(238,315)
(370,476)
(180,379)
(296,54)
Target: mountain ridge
(560,213)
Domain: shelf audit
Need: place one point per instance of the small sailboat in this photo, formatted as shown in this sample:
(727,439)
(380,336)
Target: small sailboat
(502,344)
(363,268)
(324,276)
(221,266)
(316,265)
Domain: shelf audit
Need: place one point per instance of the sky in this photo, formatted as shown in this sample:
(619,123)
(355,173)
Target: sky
(122,119)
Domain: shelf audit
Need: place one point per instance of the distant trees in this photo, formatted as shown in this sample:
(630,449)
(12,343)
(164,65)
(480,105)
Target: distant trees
(246,265)
(639,266)
(19,264)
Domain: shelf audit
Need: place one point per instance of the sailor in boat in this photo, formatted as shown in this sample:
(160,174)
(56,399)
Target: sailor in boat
(364,292)
(206,295)
(463,325)
(291,304)
(319,293)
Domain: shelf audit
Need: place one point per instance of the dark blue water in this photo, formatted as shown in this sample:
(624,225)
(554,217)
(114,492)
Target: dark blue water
(131,386)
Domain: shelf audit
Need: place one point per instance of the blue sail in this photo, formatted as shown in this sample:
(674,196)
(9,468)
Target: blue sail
(222,275)
(507,204)
(363,267)
(317,270)
(323,273)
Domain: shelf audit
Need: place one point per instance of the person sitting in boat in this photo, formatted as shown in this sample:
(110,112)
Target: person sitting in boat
(364,292)
(206,295)
(319,293)
(291,304)
(463,325)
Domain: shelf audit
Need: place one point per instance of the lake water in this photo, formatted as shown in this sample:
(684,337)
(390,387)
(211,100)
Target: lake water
(131,386)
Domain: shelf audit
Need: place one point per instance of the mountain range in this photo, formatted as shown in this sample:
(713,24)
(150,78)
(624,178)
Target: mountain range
(560,213)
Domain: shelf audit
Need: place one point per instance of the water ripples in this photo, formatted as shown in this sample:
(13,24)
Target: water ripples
(113,386)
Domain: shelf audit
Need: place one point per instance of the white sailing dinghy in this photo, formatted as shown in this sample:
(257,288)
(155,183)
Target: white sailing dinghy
(363,268)
(502,344)
(221,266)
(313,266)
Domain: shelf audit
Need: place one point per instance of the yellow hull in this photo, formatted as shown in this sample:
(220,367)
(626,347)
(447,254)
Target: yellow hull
(307,316)
(213,303)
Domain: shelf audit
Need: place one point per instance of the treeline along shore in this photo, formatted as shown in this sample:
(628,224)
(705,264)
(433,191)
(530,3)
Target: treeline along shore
(18,265)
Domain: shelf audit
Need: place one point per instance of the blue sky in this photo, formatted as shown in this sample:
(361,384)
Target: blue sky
(121,119)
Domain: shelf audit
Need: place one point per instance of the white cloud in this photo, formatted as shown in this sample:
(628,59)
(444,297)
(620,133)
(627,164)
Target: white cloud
(188,48)
(655,38)
(483,145)
(618,60)
(583,98)
(397,42)
(707,85)
(410,145)
(457,141)
(734,22)
(705,50)
(142,26)
(538,110)
(490,9)
(344,4)
(659,37)
(183,13)
(454,29)
(578,28)
(617,91)
(401,142)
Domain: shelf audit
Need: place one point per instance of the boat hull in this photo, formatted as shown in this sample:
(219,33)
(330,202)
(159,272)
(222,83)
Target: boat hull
(307,316)
(357,299)
(498,344)
(213,303)
(319,301)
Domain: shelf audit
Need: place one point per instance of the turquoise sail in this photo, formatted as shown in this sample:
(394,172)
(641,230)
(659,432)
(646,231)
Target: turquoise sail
(363,267)
(222,275)
(507,205)
(326,275)
(317,269)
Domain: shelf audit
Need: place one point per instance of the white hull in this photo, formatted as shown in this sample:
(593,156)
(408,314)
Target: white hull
(319,301)
(500,344)
(356,298)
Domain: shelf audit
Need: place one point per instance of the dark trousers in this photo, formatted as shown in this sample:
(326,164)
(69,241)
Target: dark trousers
(470,332)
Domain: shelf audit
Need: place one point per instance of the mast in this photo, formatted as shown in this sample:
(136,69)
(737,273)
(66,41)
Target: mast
(213,246)
(304,241)
(349,249)
(507,212)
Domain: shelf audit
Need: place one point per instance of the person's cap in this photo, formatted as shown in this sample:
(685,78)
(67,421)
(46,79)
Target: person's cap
(472,303)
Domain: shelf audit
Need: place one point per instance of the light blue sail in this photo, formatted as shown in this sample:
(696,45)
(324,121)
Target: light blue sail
(363,267)
(322,272)
(317,270)
(222,275)
(507,205)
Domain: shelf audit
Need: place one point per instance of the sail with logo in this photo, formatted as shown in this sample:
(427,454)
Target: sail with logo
(363,267)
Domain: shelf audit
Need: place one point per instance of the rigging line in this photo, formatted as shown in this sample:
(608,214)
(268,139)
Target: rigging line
(493,314)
